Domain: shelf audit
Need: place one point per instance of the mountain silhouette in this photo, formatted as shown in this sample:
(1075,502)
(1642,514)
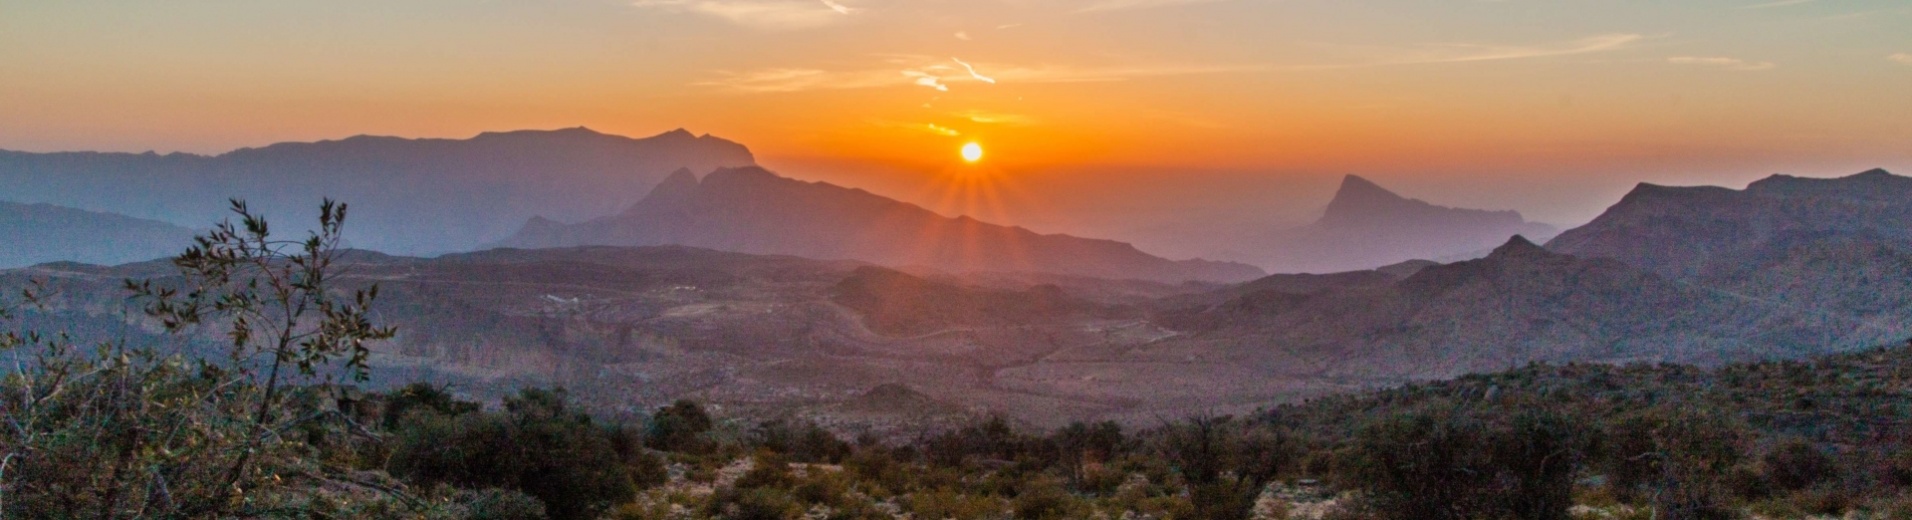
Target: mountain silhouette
(40,233)
(752,210)
(1366,226)
(408,196)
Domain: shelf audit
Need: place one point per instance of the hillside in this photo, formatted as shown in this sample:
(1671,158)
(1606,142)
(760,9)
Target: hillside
(752,210)
(1719,233)
(408,196)
(38,233)
(1520,304)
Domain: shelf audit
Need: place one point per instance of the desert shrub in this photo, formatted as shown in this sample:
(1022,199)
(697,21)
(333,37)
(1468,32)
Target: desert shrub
(1445,464)
(1676,456)
(768,469)
(1226,463)
(1796,464)
(1045,499)
(421,397)
(761,503)
(680,427)
(800,443)
(538,446)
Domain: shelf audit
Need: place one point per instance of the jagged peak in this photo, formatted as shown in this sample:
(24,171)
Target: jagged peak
(1355,186)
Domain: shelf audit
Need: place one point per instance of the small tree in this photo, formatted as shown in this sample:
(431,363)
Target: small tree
(138,427)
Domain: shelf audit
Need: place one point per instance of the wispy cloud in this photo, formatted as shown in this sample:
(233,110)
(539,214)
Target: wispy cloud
(925,79)
(995,118)
(921,127)
(761,14)
(962,35)
(843,9)
(1122,5)
(1903,57)
(1779,3)
(941,75)
(972,72)
(1722,62)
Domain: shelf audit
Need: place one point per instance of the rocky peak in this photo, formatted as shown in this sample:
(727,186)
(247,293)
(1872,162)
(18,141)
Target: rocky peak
(1520,247)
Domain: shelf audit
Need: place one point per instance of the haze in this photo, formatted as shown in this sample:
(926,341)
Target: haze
(1132,119)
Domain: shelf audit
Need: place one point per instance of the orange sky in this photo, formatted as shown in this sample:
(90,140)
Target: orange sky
(1247,108)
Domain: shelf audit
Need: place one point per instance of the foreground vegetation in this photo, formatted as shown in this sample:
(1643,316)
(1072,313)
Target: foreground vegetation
(248,408)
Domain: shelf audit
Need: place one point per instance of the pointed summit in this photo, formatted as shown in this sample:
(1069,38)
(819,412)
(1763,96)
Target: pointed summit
(1519,247)
(679,186)
(1355,186)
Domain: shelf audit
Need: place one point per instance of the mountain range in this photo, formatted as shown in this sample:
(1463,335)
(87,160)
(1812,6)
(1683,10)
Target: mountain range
(1366,226)
(38,233)
(407,196)
(784,297)
(752,210)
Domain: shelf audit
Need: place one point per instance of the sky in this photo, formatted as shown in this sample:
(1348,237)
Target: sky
(1135,118)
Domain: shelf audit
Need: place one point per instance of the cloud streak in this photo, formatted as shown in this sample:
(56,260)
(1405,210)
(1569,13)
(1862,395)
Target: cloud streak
(760,14)
(1903,58)
(972,72)
(938,74)
(1722,62)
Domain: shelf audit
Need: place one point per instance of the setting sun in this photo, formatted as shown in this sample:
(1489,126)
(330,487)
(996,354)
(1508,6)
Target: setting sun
(972,152)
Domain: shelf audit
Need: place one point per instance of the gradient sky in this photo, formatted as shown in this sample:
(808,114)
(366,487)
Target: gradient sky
(1129,109)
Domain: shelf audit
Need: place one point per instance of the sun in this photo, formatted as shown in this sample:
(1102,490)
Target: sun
(972,152)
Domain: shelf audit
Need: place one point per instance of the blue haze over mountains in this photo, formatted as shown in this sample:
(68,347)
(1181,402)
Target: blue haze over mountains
(700,274)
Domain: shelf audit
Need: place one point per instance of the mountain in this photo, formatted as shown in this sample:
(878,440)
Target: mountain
(407,196)
(39,233)
(1719,233)
(752,210)
(1367,226)
(1523,304)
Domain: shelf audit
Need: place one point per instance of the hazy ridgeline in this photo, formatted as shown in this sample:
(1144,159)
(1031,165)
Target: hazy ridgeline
(414,196)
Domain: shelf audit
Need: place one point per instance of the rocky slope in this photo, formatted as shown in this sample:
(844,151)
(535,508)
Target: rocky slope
(1713,232)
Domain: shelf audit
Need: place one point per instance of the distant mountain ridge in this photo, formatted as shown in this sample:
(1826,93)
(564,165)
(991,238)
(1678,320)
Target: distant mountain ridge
(1710,232)
(1367,226)
(408,196)
(752,210)
(40,233)
(1521,304)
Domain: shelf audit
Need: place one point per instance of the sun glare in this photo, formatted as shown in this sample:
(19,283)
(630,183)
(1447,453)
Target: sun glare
(972,152)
